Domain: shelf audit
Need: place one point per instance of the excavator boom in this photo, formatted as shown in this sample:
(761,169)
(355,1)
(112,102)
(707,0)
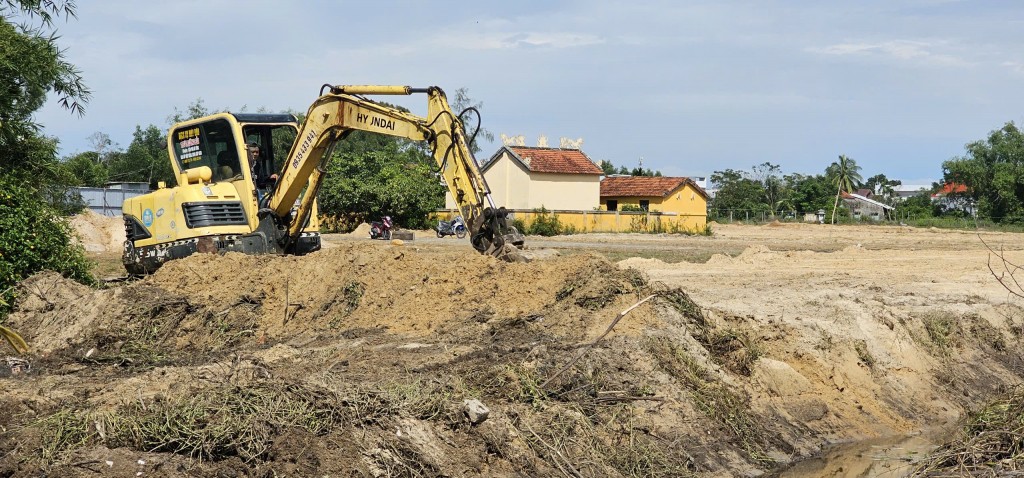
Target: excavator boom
(341,110)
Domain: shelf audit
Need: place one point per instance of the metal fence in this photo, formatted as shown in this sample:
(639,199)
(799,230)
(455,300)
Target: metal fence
(755,216)
(107,201)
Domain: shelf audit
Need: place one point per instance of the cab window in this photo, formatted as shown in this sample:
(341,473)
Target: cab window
(274,143)
(209,144)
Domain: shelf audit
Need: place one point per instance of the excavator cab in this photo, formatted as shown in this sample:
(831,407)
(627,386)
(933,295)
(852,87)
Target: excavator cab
(220,186)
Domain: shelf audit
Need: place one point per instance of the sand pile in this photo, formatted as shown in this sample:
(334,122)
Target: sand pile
(99,233)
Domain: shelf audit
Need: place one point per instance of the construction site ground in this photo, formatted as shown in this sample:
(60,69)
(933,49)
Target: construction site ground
(778,349)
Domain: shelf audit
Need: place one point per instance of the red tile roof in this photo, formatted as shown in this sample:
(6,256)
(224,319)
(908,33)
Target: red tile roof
(643,186)
(555,160)
(950,188)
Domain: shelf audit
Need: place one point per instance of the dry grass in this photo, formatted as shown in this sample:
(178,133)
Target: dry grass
(618,442)
(713,398)
(991,443)
(212,425)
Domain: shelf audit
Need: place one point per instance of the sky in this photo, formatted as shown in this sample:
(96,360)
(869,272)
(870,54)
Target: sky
(686,87)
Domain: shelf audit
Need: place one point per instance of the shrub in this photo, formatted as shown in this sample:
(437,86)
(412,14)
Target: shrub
(545,223)
(34,237)
(520,226)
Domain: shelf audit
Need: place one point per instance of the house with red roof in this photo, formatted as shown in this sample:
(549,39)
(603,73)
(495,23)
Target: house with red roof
(955,197)
(524,177)
(678,195)
(949,189)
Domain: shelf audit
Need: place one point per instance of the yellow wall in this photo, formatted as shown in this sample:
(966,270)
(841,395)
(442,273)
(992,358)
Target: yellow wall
(514,188)
(616,221)
(686,200)
(564,191)
(610,221)
(509,183)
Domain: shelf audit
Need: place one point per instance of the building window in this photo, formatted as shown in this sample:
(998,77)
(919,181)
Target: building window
(645,205)
(613,205)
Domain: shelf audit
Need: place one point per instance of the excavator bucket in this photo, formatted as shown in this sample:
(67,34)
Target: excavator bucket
(14,339)
(508,246)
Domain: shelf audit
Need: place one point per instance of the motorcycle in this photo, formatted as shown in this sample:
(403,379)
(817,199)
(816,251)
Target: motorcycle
(381,229)
(456,227)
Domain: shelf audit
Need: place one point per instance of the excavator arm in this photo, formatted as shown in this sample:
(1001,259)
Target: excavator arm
(343,109)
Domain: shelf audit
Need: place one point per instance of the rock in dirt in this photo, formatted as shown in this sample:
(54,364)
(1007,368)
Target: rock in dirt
(403,235)
(476,411)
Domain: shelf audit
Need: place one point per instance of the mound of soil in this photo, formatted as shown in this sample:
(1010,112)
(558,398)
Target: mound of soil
(357,357)
(98,233)
(357,360)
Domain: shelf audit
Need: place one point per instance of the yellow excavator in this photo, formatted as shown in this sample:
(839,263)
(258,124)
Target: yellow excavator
(248,182)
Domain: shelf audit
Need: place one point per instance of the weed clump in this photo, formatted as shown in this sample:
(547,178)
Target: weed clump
(217,424)
(990,443)
(734,349)
(713,398)
(865,357)
(601,286)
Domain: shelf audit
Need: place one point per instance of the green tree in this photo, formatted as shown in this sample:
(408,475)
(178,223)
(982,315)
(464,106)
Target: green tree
(736,190)
(145,160)
(461,104)
(917,206)
(809,194)
(883,187)
(196,109)
(33,235)
(607,167)
(378,176)
(86,169)
(844,174)
(638,171)
(32,65)
(993,171)
(776,193)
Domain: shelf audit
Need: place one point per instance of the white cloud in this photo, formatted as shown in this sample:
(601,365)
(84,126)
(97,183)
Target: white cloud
(1014,66)
(507,39)
(904,50)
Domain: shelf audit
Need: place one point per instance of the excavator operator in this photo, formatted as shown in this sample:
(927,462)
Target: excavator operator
(264,182)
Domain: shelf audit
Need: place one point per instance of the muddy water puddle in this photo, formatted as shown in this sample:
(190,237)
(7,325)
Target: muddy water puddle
(888,457)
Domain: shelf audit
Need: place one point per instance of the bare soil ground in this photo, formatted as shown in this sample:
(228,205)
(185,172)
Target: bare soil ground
(762,346)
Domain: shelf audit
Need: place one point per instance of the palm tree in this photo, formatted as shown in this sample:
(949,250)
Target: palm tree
(845,174)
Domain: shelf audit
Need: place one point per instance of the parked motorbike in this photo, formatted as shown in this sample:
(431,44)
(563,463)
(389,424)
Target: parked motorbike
(456,227)
(381,229)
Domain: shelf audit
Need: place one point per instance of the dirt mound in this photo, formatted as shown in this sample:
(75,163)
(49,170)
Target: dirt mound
(389,287)
(357,360)
(362,230)
(98,233)
(252,363)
